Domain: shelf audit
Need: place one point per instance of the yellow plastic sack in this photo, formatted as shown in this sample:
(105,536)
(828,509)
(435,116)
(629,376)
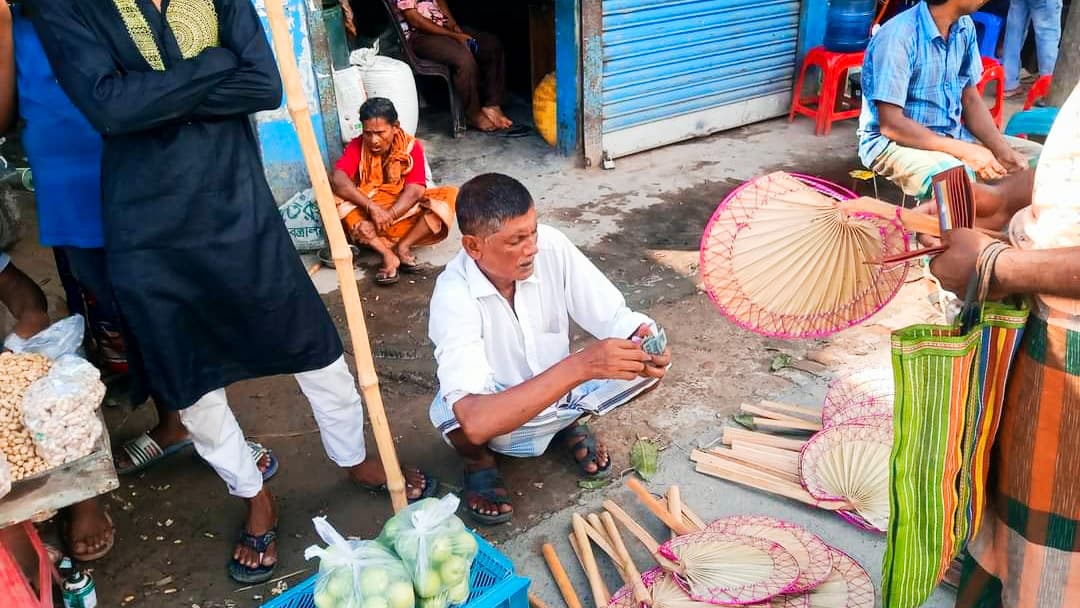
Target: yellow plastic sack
(544,109)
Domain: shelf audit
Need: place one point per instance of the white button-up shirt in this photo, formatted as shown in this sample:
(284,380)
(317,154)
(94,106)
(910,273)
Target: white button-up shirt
(482,346)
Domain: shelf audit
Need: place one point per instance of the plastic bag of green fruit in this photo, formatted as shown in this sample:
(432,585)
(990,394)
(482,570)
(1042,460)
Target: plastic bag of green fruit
(358,573)
(436,548)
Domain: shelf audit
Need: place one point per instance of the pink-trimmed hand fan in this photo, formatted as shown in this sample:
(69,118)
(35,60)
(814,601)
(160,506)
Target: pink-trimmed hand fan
(860,394)
(851,462)
(730,569)
(810,552)
(663,590)
(781,256)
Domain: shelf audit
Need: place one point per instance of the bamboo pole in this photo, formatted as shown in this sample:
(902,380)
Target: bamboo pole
(674,505)
(339,250)
(631,576)
(600,592)
(561,579)
(677,525)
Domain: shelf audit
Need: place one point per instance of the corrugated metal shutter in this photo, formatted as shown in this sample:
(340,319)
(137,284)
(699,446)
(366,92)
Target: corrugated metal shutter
(676,69)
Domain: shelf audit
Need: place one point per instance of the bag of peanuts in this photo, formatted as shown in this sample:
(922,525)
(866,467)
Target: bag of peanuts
(60,410)
(5,476)
(64,337)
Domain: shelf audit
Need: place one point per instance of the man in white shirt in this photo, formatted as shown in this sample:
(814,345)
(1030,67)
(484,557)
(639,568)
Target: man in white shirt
(500,321)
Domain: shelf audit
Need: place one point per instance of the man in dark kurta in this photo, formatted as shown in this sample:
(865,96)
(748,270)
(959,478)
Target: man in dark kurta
(200,262)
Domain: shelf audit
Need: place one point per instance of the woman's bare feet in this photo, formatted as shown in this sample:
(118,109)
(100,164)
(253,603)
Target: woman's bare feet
(89,533)
(371,474)
(496,116)
(481,121)
(261,518)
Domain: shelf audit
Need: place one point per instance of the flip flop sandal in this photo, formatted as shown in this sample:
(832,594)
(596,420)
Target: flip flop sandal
(413,268)
(258,450)
(514,132)
(484,484)
(261,573)
(584,439)
(382,278)
(327,259)
(100,553)
(431,486)
(144,452)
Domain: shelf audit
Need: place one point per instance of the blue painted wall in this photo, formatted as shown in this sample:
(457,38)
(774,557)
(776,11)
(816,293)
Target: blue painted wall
(812,20)
(568,74)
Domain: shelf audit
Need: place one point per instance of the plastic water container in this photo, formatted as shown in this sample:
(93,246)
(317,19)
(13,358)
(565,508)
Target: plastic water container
(847,28)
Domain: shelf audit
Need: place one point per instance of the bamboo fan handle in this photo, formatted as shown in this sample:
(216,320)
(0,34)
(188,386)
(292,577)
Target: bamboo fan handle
(588,562)
(339,249)
(536,602)
(631,574)
(797,410)
(691,519)
(657,509)
(595,529)
(732,434)
(912,220)
(641,534)
(559,574)
(674,505)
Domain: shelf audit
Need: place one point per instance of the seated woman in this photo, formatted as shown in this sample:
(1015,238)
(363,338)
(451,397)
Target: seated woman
(382,179)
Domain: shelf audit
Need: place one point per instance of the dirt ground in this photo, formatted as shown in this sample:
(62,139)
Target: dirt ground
(175,524)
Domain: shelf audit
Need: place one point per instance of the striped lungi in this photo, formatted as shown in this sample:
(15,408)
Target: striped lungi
(1027,553)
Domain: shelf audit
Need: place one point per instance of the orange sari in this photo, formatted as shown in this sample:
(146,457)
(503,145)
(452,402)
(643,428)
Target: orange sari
(382,179)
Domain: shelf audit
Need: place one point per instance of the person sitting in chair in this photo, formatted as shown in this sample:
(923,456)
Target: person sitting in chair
(500,322)
(475,58)
(384,202)
(922,113)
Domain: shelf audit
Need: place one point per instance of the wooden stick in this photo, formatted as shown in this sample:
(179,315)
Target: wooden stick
(785,424)
(674,505)
(536,602)
(559,574)
(596,583)
(339,249)
(732,434)
(798,410)
(631,575)
(760,410)
(689,517)
(657,509)
(595,531)
(641,534)
(748,476)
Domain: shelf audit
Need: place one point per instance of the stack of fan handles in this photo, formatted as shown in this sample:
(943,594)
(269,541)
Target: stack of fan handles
(912,220)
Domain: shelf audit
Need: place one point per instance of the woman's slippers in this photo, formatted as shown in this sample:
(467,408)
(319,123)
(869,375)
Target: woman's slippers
(258,452)
(89,556)
(486,485)
(260,544)
(578,437)
(386,278)
(144,452)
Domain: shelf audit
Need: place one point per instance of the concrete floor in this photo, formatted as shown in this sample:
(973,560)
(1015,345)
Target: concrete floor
(641,223)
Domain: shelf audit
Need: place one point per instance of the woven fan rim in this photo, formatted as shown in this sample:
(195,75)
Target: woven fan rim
(860,522)
(826,188)
(857,388)
(816,548)
(785,569)
(857,579)
(648,578)
(867,413)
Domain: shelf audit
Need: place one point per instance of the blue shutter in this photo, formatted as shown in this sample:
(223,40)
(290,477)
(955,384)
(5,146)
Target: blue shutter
(676,69)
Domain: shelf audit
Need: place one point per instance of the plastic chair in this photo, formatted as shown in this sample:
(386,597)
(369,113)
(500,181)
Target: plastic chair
(15,589)
(994,72)
(988,31)
(425,67)
(822,108)
(1040,89)
(1031,122)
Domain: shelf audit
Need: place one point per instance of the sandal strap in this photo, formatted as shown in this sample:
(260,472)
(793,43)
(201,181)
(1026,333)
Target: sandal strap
(486,483)
(259,542)
(587,442)
(142,450)
(258,450)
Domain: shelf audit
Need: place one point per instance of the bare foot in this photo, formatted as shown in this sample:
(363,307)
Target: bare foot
(484,505)
(404,254)
(89,532)
(371,473)
(496,116)
(262,516)
(390,264)
(482,122)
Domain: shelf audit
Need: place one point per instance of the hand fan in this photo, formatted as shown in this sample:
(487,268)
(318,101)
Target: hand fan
(848,585)
(810,552)
(858,395)
(782,257)
(955,198)
(663,589)
(850,462)
(730,569)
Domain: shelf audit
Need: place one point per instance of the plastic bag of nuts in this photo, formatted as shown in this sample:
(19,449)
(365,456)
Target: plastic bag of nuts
(60,409)
(17,373)
(5,476)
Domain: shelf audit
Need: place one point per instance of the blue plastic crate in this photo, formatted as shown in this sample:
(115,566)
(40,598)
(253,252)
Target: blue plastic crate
(493,584)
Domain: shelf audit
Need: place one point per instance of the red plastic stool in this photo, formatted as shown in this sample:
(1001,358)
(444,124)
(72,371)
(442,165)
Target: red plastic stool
(14,587)
(822,108)
(1041,88)
(994,72)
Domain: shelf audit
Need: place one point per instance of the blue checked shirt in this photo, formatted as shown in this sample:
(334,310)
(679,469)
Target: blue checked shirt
(909,64)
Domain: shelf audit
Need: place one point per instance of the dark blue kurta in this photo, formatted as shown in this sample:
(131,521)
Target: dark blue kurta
(203,269)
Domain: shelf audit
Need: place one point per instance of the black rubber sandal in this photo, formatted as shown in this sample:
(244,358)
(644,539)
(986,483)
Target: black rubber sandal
(485,484)
(431,486)
(577,437)
(262,573)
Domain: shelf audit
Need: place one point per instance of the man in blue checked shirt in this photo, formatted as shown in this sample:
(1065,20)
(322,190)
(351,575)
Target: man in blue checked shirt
(922,113)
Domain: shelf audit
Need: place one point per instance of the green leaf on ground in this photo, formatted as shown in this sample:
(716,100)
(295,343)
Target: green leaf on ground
(779,362)
(593,484)
(643,458)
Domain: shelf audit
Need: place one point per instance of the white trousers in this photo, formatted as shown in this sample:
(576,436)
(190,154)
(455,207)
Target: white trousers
(331,391)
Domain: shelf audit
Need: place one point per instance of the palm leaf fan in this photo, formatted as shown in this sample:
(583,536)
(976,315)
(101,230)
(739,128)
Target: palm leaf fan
(780,257)
(810,552)
(663,590)
(730,569)
(848,585)
(861,394)
(850,462)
